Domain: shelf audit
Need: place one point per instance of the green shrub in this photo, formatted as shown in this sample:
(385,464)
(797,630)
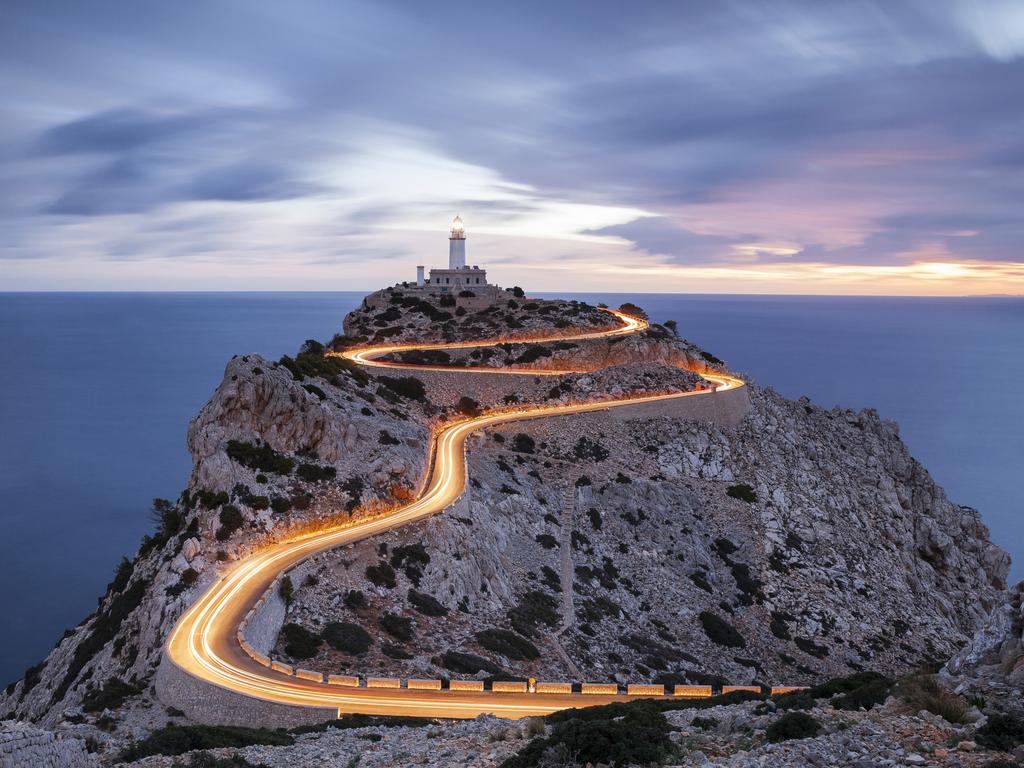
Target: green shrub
(382,575)
(386,438)
(393,651)
(720,631)
(518,292)
(533,608)
(299,642)
(207,760)
(533,353)
(743,492)
(619,735)
(347,637)
(355,599)
(258,503)
(426,604)
(864,697)
(523,443)
(230,521)
(633,310)
(468,663)
(314,473)
(404,386)
(1002,732)
(546,540)
(286,590)
(365,721)
(104,627)
(188,578)
(792,725)
(595,518)
(399,627)
(467,406)
(178,739)
(111,695)
(259,457)
(508,644)
(589,450)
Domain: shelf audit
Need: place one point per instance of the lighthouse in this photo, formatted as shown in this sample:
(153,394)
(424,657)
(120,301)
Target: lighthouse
(457,278)
(457,245)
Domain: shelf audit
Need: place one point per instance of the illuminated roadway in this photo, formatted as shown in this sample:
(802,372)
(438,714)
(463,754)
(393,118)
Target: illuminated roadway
(204,641)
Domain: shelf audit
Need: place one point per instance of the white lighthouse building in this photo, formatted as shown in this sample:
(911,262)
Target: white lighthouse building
(457,277)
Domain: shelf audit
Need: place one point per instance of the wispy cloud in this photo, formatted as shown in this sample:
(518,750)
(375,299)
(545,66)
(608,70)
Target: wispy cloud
(802,147)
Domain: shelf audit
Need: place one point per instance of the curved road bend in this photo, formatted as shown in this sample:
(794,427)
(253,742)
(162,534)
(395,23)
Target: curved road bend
(204,641)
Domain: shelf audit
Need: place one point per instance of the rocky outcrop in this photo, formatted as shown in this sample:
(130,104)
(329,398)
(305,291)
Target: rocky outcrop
(393,316)
(23,746)
(990,668)
(792,545)
(797,546)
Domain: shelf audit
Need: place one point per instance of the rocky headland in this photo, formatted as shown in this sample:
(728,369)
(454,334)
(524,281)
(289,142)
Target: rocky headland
(803,545)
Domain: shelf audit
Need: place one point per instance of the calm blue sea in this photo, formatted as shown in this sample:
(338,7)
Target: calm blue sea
(96,391)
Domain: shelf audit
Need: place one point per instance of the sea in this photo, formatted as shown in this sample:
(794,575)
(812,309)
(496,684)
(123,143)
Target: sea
(96,391)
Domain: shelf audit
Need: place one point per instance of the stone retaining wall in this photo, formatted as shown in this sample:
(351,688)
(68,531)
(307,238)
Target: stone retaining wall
(210,704)
(24,746)
(726,408)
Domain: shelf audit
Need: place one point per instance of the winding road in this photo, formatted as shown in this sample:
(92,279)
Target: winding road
(204,643)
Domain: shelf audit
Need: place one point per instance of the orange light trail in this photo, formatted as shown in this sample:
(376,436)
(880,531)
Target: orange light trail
(204,642)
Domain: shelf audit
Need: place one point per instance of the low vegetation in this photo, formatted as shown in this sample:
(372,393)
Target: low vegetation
(792,725)
(299,642)
(179,739)
(923,691)
(721,632)
(617,734)
(1005,732)
(347,637)
(260,458)
(508,644)
(111,695)
(743,492)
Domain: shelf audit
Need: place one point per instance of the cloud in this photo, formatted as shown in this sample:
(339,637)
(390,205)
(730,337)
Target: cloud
(730,136)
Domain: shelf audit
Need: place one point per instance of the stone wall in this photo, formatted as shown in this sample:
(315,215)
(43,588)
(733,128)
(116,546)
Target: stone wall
(207,703)
(726,408)
(24,746)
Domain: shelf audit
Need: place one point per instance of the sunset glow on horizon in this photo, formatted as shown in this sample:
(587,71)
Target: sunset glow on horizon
(810,148)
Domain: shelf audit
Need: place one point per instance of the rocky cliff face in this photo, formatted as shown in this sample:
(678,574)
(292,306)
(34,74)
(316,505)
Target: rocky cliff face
(804,543)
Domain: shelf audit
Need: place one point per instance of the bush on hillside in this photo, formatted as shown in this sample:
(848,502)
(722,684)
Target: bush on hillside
(743,492)
(111,695)
(382,575)
(720,631)
(299,642)
(314,473)
(404,386)
(426,604)
(792,725)
(178,739)
(347,637)
(262,458)
(508,644)
(1003,732)
(399,627)
(230,521)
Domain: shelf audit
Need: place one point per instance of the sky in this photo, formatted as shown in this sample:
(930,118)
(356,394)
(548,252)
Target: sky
(851,147)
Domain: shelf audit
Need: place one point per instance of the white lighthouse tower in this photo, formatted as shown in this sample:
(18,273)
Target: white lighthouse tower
(457,245)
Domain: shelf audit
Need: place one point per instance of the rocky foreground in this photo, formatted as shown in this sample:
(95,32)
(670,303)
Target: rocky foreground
(803,545)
